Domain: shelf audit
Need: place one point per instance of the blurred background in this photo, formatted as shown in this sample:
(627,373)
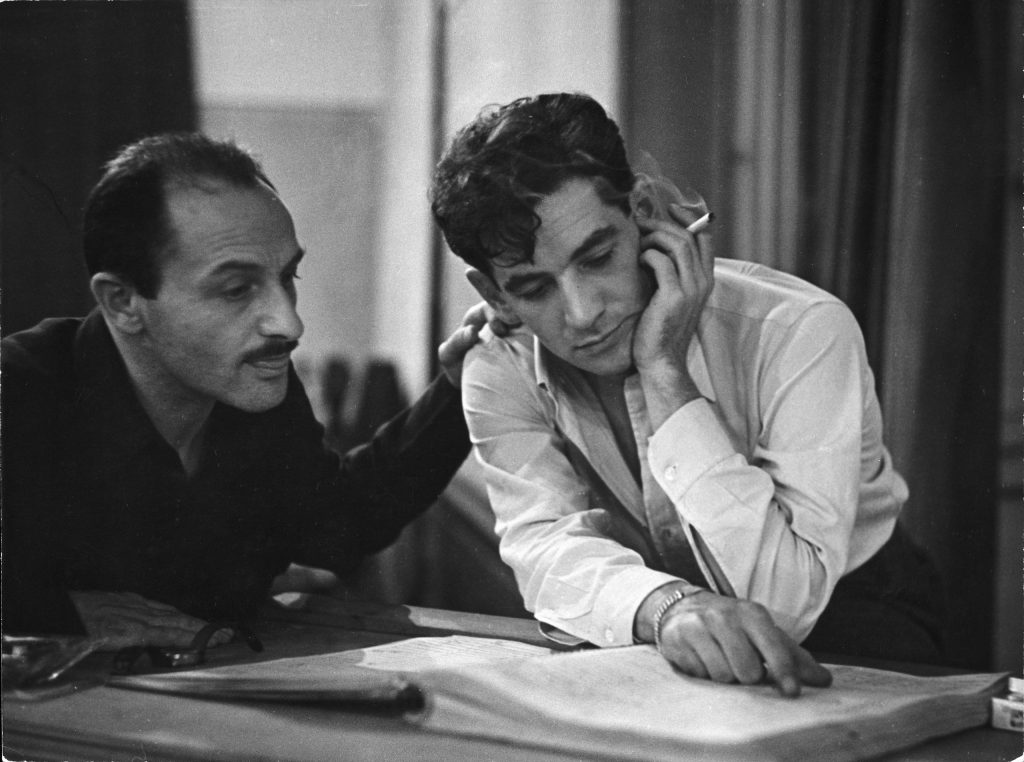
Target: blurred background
(872,147)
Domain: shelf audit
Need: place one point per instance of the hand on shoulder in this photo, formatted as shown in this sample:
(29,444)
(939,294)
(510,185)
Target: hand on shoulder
(453,350)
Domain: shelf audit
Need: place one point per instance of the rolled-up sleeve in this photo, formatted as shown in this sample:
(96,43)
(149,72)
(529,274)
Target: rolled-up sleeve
(778,521)
(570,572)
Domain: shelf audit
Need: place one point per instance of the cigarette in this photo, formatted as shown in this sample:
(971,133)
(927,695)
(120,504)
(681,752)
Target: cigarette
(701,224)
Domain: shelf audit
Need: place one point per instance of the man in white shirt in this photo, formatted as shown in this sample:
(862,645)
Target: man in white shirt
(685,451)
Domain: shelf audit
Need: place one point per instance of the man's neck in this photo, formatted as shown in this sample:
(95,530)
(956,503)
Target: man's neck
(607,387)
(611,393)
(179,417)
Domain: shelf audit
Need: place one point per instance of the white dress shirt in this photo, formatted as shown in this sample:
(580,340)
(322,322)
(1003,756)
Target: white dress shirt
(779,467)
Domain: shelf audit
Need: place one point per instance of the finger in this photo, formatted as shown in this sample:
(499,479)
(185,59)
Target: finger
(175,629)
(456,345)
(668,241)
(130,632)
(683,657)
(810,671)
(685,216)
(779,660)
(674,282)
(670,224)
(220,637)
(132,609)
(684,250)
(687,638)
(464,338)
(476,315)
(714,659)
(706,252)
(498,327)
(744,659)
(778,651)
(664,268)
(502,327)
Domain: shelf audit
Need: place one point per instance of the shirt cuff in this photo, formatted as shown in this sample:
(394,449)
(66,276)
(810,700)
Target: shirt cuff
(686,446)
(616,605)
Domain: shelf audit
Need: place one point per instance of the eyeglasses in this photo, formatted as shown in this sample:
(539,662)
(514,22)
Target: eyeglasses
(190,656)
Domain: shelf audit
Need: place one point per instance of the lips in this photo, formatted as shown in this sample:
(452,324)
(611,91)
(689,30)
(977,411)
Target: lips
(605,340)
(590,346)
(272,358)
(274,362)
(270,366)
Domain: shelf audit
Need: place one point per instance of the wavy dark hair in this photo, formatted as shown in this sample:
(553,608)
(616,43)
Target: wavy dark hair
(126,226)
(487,185)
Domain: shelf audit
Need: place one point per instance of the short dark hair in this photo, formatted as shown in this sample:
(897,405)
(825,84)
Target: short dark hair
(486,187)
(126,226)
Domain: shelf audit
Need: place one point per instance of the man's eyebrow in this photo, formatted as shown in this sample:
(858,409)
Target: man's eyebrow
(246,265)
(596,238)
(233,265)
(593,240)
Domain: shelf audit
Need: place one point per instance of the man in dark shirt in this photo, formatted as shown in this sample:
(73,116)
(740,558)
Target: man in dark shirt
(161,462)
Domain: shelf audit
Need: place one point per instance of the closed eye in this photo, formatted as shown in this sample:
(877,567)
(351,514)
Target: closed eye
(238,291)
(532,293)
(599,260)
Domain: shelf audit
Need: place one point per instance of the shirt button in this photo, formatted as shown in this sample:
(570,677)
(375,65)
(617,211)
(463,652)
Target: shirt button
(609,635)
(670,474)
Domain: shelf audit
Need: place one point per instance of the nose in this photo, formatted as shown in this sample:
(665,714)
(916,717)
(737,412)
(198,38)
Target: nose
(280,319)
(582,305)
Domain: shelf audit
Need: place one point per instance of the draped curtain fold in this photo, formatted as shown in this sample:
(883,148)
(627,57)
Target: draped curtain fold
(77,81)
(904,160)
(898,112)
(850,68)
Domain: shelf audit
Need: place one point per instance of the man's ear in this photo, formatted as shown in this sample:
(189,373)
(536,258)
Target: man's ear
(489,290)
(119,301)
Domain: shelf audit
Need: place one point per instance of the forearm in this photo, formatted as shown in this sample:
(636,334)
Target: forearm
(578,567)
(360,506)
(667,387)
(415,454)
(780,537)
(584,583)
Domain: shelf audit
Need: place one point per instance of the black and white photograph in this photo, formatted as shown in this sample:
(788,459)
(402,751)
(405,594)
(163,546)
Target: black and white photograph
(526,380)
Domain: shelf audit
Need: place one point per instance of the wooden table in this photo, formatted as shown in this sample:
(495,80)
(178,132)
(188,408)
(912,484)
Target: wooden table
(104,723)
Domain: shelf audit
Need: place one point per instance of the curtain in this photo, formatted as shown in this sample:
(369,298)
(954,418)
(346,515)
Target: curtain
(867,152)
(904,186)
(77,81)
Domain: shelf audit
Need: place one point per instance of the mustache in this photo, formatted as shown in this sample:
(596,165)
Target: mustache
(272,349)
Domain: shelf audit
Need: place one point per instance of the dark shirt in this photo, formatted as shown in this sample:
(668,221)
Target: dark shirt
(95,499)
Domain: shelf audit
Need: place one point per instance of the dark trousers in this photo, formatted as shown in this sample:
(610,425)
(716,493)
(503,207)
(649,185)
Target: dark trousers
(891,607)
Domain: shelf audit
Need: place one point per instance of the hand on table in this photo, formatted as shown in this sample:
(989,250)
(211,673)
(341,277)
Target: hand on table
(128,619)
(729,640)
